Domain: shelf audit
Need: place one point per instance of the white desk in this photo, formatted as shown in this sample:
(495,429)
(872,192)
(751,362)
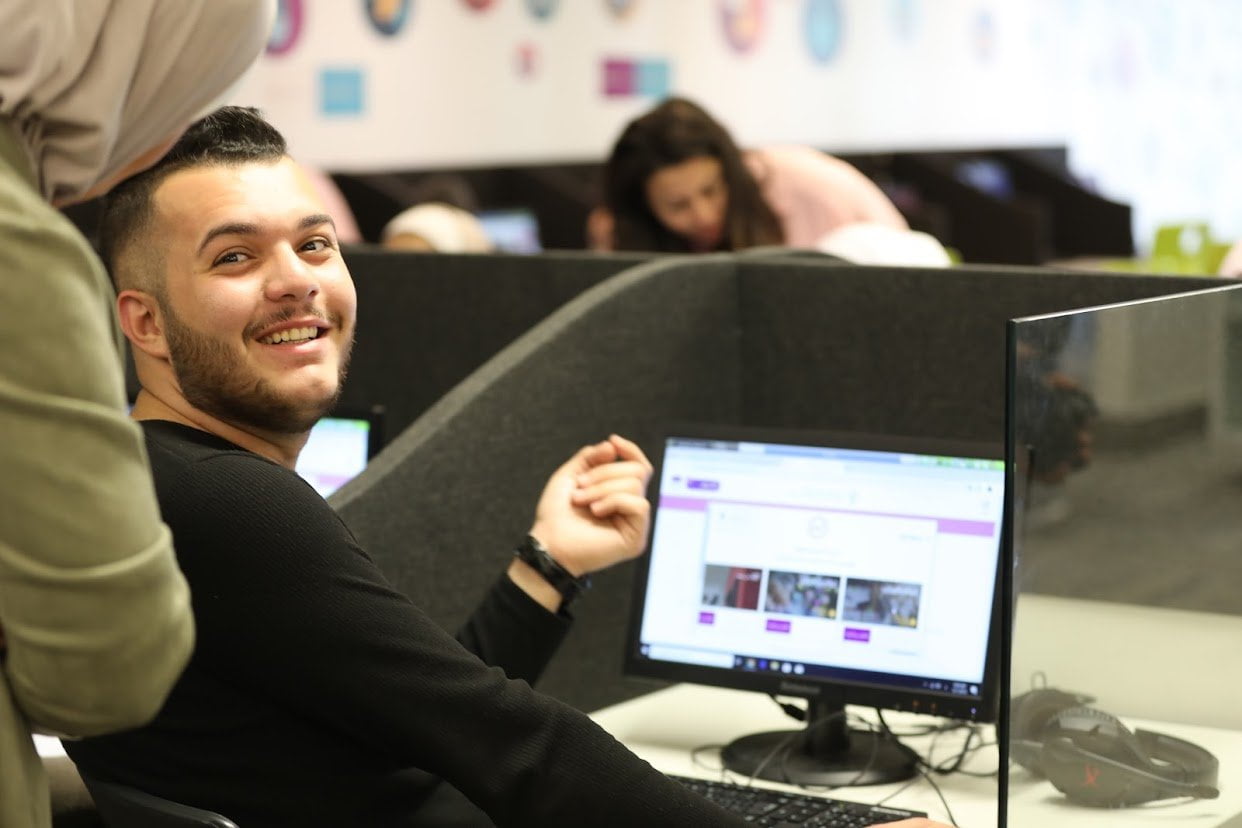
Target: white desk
(665,726)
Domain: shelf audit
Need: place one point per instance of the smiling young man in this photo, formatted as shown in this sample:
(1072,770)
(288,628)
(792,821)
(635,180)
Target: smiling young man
(318,695)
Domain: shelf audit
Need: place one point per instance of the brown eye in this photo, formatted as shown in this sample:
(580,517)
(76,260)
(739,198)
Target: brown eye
(232,257)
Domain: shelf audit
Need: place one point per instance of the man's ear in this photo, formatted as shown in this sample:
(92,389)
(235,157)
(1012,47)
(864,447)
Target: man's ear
(142,322)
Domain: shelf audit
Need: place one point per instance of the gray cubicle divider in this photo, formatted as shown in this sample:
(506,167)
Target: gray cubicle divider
(426,320)
(784,341)
(900,350)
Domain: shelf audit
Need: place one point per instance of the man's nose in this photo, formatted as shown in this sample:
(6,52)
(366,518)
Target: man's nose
(291,278)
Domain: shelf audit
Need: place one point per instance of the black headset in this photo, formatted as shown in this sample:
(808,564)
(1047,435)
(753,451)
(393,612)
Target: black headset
(1094,759)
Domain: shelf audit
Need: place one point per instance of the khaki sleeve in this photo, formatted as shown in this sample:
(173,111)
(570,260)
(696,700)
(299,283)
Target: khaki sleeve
(94,612)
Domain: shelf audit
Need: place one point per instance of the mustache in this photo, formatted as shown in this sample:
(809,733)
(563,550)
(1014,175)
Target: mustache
(285,314)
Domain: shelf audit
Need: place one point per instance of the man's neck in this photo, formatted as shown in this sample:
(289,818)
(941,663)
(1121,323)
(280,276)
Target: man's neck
(277,447)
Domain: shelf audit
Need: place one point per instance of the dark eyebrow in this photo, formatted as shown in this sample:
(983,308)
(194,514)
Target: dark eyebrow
(243,228)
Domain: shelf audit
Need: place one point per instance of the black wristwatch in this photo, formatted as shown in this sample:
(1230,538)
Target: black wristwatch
(562,580)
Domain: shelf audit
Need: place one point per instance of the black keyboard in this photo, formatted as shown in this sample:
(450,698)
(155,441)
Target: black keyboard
(778,809)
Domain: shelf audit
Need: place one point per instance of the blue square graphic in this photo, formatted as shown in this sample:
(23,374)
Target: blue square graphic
(341,91)
(651,78)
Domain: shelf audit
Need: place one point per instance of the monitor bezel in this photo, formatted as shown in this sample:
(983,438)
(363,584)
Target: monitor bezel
(837,690)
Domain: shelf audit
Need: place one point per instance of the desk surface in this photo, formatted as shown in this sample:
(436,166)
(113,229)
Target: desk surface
(666,726)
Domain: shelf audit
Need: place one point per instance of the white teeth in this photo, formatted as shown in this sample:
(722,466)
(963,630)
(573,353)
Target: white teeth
(291,335)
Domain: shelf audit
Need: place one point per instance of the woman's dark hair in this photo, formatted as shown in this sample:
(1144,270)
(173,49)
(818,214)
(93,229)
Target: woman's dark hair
(676,131)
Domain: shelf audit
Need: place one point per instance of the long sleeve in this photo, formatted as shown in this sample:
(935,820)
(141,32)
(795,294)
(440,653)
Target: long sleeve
(94,614)
(313,675)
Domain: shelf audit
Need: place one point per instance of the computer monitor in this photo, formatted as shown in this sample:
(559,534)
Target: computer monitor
(841,568)
(339,447)
(512,230)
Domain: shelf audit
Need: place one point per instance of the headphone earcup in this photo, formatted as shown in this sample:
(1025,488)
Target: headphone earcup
(1094,759)
(1029,714)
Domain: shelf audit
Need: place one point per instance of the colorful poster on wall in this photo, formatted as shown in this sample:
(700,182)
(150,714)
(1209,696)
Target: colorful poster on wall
(824,29)
(526,60)
(742,21)
(630,77)
(621,9)
(905,18)
(388,16)
(286,28)
(342,91)
(542,9)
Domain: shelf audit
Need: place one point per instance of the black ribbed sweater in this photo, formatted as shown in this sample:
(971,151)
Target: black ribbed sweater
(320,696)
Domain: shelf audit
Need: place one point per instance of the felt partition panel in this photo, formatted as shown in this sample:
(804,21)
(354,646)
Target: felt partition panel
(899,350)
(426,320)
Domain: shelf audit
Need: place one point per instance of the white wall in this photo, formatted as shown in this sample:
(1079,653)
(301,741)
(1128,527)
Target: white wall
(1145,93)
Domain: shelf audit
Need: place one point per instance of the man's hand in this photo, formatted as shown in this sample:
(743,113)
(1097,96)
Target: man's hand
(594,512)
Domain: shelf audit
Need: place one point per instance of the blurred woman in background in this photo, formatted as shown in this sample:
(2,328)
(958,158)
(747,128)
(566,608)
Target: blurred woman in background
(676,181)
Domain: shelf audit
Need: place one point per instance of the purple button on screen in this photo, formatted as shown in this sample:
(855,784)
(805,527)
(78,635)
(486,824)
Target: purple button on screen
(856,634)
(778,626)
(705,485)
(707,618)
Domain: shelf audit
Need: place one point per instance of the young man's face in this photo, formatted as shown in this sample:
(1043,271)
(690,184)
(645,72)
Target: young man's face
(258,305)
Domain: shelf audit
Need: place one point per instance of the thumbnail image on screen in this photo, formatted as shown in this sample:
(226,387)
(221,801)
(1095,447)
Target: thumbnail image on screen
(882,602)
(802,593)
(731,586)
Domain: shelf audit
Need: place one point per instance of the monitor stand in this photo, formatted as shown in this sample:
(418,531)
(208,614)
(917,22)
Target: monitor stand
(826,753)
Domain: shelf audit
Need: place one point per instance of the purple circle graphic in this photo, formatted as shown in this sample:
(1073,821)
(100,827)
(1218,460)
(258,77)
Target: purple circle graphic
(286,28)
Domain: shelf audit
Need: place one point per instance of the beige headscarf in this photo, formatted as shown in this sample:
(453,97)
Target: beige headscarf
(445,228)
(91,85)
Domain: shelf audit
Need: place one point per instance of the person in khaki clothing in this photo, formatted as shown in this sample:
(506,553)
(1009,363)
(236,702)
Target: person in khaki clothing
(95,621)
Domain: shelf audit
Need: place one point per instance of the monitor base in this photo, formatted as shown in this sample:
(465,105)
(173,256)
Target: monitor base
(780,756)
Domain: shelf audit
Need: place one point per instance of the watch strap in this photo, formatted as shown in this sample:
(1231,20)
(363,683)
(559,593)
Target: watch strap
(536,555)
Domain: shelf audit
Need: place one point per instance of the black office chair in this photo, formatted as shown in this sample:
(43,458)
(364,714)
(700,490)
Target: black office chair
(121,806)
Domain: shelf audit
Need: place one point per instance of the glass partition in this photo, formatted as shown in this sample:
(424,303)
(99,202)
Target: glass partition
(1125,450)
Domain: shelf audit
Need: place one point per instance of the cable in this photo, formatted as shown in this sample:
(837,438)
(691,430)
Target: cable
(939,793)
(696,760)
(791,710)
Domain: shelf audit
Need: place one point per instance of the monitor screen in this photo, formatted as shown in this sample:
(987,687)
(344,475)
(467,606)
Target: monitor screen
(843,568)
(338,449)
(513,230)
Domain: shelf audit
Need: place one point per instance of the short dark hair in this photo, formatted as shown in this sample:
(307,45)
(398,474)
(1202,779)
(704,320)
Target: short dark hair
(675,131)
(229,136)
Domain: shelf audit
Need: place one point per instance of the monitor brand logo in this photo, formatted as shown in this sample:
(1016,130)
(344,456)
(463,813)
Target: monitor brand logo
(797,688)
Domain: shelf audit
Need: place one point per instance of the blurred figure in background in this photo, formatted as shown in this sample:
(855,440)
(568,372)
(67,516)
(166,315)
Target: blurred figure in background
(95,623)
(870,243)
(436,227)
(676,181)
(334,202)
(1231,265)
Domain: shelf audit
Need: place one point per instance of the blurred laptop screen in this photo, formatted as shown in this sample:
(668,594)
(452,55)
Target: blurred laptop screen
(514,230)
(337,450)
